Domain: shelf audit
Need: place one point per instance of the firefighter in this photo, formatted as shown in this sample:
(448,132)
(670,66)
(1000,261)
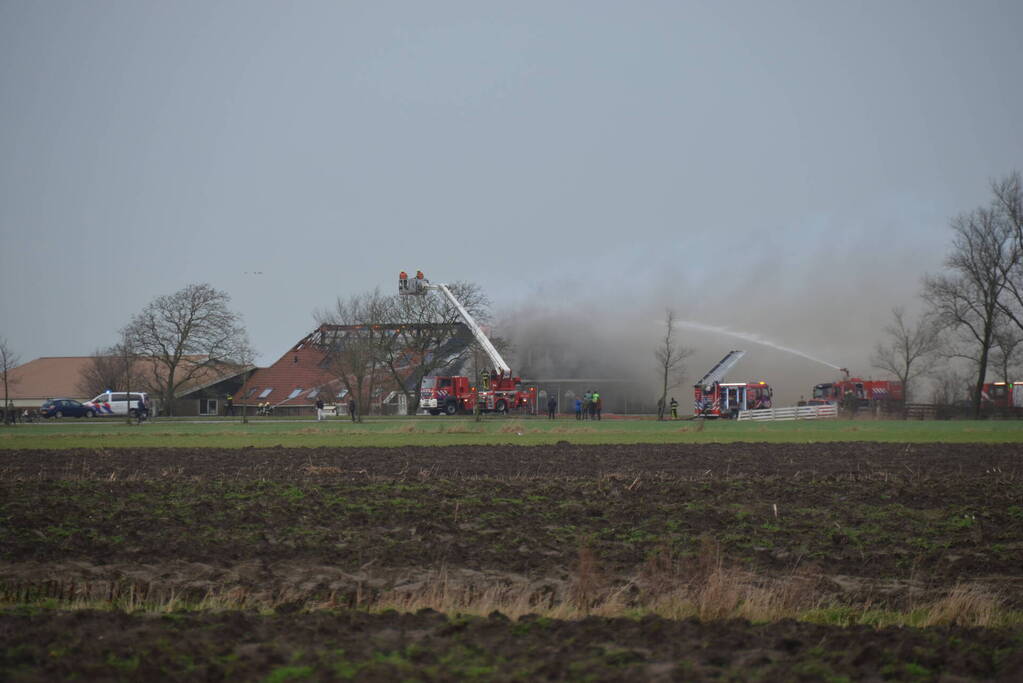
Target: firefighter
(674,408)
(849,403)
(230,405)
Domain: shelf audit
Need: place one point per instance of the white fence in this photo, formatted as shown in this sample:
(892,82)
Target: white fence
(793,413)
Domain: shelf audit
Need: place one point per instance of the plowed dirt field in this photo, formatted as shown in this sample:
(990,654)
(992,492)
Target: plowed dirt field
(569,530)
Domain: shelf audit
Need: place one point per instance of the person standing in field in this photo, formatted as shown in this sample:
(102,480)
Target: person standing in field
(319,409)
(674,408)
(352,409)
(230,405)
(587,397)
(552,407)
(578,408)
(599,405)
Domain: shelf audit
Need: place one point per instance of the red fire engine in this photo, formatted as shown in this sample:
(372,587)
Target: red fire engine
(1002,394)
(715,398)
(499,391)
(865,391)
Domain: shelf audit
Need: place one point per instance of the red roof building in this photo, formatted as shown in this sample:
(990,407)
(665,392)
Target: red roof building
(295,381)
(302,375)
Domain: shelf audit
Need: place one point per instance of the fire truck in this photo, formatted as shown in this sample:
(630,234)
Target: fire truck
(715,398)
(499,390)
(1002,394)
(866,392)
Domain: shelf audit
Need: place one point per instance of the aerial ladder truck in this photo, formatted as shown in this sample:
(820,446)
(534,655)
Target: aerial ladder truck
(499,391)
(715,398)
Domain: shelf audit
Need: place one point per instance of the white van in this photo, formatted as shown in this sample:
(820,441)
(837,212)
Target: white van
(119,403)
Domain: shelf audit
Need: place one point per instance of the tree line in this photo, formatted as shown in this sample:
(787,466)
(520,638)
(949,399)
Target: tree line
(971,326)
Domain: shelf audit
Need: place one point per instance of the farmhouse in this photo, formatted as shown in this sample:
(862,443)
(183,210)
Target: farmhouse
(48,377)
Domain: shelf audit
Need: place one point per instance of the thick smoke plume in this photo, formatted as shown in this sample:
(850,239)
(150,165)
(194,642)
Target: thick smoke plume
(797,325)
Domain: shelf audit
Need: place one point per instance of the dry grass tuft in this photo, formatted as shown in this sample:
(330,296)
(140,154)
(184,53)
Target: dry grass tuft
(512,427)
(965,605)
(720,594)
(404,429)
(456,429)
(573,430)
(701,587)
(587,583)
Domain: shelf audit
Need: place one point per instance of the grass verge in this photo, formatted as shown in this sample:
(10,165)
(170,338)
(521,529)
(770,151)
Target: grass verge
(445,431)
(720,595)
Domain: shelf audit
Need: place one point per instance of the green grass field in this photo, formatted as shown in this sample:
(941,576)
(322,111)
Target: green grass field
(444,431)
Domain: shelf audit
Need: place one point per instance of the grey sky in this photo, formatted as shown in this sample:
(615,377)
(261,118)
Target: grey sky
(784,168)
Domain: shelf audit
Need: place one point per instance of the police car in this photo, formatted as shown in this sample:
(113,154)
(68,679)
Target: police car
(119,403)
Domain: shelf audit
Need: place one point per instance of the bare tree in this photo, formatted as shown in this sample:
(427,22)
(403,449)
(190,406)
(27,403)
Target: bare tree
(1007,206)
(426,327)
(910,350)
(1008,194)
(353,341)
(8,361)
(950,386)
(1006,351)
(185,334)
(106,370)
(968,301)
(127,355)
(670,361)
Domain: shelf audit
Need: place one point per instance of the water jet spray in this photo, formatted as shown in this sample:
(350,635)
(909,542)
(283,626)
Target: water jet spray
(751,337)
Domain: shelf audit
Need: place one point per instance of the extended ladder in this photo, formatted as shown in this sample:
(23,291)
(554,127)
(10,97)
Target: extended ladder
(718,372)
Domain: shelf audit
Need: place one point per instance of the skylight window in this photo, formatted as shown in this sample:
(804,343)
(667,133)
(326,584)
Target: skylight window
(295,393)
(313,394)
(266,392)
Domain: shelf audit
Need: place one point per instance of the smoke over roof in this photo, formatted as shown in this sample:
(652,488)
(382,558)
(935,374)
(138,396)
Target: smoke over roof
(797,321)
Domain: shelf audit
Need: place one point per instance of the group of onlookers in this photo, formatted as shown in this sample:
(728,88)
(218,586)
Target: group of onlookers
(588,407)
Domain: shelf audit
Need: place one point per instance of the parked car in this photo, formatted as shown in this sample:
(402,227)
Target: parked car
(119,403)
(66,407)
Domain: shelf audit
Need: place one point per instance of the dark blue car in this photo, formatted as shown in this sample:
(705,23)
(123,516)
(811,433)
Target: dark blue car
(65,407)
